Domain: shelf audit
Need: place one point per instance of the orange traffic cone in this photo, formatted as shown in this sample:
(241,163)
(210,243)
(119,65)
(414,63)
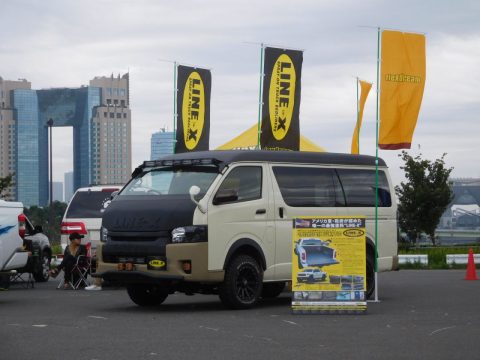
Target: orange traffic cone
(471,271)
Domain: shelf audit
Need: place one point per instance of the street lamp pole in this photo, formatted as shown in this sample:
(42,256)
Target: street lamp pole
(50,124)
(50,212)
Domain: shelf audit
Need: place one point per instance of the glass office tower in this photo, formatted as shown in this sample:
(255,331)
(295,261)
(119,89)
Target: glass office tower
(161,144)
(101,121)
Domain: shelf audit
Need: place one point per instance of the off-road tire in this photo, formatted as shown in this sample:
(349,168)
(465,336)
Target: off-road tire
(272,290)
(370,276)
(147,295)
(243,282)
(41,273)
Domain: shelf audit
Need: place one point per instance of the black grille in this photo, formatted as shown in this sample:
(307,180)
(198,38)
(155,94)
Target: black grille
(137,238)
(125,259)
(162,236)
(123,247)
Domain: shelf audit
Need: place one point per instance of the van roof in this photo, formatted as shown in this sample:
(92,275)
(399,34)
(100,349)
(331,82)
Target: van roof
(301,157)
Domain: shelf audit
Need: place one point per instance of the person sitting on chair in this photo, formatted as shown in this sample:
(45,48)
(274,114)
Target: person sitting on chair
(70,257)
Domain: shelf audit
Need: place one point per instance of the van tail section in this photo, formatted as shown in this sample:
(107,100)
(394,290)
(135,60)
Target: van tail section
(12,231)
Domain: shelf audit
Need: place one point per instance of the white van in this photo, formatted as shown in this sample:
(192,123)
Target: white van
(221,221)
(84,213)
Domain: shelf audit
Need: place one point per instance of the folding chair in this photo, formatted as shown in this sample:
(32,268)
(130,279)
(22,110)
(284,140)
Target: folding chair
(23,279)
(24,276)
(80,271)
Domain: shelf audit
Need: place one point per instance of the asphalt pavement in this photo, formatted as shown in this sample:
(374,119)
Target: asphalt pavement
(421,315)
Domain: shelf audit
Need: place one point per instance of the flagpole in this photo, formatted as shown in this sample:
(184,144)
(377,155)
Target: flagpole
(174,105)
(376,169)
(260,98)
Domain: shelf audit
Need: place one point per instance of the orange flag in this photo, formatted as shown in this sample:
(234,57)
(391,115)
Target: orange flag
(364,90)
(402,82)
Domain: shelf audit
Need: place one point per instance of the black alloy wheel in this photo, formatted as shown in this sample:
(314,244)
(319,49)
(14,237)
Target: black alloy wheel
(242,286)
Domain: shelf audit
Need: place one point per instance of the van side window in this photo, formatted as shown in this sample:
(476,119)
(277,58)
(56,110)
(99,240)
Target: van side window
(308,186)
(243,182)
(359,188)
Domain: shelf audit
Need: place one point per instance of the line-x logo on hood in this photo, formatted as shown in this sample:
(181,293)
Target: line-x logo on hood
(136,223)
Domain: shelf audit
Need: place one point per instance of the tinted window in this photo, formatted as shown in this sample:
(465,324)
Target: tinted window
(308,187)
(359,188)
(245,182)
(89,204)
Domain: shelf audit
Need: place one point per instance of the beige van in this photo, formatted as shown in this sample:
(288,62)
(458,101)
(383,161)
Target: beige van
(220,222)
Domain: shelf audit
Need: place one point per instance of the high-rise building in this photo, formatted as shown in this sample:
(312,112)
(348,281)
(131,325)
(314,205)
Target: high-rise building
(68,181)
(57,187)
(8,146)
(101,121)
(161,144)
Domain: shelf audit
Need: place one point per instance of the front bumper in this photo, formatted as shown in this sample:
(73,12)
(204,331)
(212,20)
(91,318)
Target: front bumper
(176,254)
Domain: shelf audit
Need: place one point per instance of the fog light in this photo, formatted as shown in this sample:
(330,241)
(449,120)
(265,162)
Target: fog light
(120,266)
(187,266)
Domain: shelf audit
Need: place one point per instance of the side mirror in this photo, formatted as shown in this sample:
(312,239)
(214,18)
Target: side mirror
(225,196)
(194,191)
(113,194)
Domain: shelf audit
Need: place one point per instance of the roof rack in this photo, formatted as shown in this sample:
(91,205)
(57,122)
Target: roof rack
(180,162)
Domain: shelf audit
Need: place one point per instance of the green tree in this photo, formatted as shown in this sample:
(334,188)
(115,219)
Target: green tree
(5,183)
(41,216)
(424,197)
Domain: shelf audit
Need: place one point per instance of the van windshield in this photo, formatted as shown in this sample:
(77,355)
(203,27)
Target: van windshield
(171,181)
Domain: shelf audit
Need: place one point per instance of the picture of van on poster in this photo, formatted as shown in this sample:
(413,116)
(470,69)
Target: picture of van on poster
(329,265)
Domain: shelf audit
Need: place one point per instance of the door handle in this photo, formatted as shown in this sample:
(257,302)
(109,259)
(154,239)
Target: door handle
(260,211)
(280,212)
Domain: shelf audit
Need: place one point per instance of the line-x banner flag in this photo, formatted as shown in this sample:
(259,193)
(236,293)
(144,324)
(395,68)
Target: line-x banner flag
(402,82)
(281,99)
(193,107)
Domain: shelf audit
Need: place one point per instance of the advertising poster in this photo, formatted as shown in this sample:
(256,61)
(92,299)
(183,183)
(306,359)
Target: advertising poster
(329,265)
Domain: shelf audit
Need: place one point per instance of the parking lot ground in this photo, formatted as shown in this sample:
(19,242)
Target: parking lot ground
(421,315)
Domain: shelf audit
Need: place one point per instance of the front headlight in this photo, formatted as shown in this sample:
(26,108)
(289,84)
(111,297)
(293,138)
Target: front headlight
(103,234)
(190,234)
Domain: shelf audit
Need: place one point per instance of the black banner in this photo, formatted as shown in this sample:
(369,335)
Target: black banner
(281,99)
(193,109)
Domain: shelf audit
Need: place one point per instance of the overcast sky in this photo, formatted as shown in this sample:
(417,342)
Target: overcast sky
(67,43)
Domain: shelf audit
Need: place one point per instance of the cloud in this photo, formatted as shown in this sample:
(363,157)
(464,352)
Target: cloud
(67,43)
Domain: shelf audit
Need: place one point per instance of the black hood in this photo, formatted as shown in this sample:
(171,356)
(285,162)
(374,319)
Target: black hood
(148,213)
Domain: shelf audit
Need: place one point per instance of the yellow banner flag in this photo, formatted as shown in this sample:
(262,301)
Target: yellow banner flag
(401,87)
(364,90)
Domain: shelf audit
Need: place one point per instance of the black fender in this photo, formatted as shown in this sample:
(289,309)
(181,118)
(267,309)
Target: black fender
(249,247)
